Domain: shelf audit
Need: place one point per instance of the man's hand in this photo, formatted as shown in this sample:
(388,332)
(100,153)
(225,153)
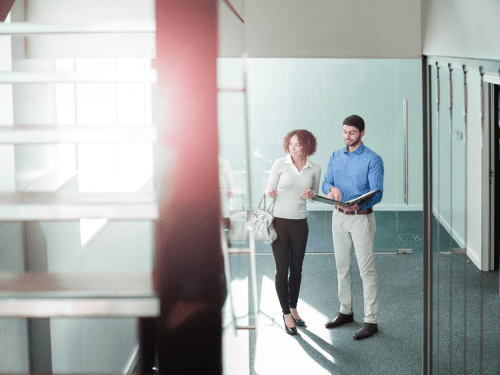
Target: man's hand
(335,194)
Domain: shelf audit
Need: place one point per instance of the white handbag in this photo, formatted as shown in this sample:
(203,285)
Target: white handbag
(261,223)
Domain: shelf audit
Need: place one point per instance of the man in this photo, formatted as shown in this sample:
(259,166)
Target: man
(353,171)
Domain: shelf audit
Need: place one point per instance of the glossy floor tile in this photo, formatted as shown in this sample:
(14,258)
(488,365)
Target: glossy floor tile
(466,304)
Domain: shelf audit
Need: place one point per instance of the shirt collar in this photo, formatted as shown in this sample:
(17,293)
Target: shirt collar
(358,151)
(288,160)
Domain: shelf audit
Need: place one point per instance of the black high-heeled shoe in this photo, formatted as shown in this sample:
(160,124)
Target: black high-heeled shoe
(290,331)
(298,322)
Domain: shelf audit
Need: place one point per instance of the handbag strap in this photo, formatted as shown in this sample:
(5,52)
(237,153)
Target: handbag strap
(262,199)
(269,209)
(271,206)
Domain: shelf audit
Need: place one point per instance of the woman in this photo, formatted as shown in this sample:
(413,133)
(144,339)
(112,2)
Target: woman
(293,179)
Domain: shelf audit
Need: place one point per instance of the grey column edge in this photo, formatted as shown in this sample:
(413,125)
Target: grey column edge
(39,345)
(427,220)
(39,337)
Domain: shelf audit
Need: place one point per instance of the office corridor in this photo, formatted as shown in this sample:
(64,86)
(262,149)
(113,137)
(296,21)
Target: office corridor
(462,327)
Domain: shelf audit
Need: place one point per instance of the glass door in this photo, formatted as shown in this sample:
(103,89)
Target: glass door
(317,95)
(465,333)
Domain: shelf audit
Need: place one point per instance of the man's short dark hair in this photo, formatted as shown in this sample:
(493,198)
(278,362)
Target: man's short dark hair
(355,120)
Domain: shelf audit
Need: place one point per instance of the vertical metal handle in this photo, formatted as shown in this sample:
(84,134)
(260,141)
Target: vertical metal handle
(405,117)
(481,113)
(466,159)
(450,107)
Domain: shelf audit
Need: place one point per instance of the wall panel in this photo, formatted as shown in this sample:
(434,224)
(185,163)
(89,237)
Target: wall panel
(317,94)
(461,28)
(340,29)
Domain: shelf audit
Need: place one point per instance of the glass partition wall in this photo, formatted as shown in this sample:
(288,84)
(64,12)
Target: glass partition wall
(318,94)
(461,107)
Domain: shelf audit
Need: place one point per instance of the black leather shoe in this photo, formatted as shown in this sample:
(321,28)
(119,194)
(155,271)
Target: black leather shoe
(290,331)
(368,329)
(339,320)
(299,322)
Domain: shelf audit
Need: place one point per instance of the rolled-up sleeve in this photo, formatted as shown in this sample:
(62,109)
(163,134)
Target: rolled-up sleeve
(375,182)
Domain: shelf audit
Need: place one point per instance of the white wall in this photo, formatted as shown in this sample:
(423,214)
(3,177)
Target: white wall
(461,28)
(474,171)
(323,28)
(452,187)
(231,29)
(465,29)
(317,94)
(338,28)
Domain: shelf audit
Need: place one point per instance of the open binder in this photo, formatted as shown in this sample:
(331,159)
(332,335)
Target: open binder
(348,203)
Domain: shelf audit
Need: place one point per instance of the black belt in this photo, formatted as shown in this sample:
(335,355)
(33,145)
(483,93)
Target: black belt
(364,212)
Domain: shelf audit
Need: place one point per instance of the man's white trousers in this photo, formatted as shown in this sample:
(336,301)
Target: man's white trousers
(357,230)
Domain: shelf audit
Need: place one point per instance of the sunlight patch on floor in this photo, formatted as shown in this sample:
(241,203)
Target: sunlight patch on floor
(276,351)
(235,347)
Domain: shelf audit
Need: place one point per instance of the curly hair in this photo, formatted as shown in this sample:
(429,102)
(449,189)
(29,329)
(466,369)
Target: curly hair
(306,139)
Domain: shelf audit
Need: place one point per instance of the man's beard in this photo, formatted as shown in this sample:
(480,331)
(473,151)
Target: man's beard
(353,144)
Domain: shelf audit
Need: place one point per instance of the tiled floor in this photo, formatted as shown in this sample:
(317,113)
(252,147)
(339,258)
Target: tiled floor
(466,310)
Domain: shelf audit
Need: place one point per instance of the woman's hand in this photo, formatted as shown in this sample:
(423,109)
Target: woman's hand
(272,193)
(308,194)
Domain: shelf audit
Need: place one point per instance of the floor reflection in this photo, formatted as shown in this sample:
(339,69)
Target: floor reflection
(397,347)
